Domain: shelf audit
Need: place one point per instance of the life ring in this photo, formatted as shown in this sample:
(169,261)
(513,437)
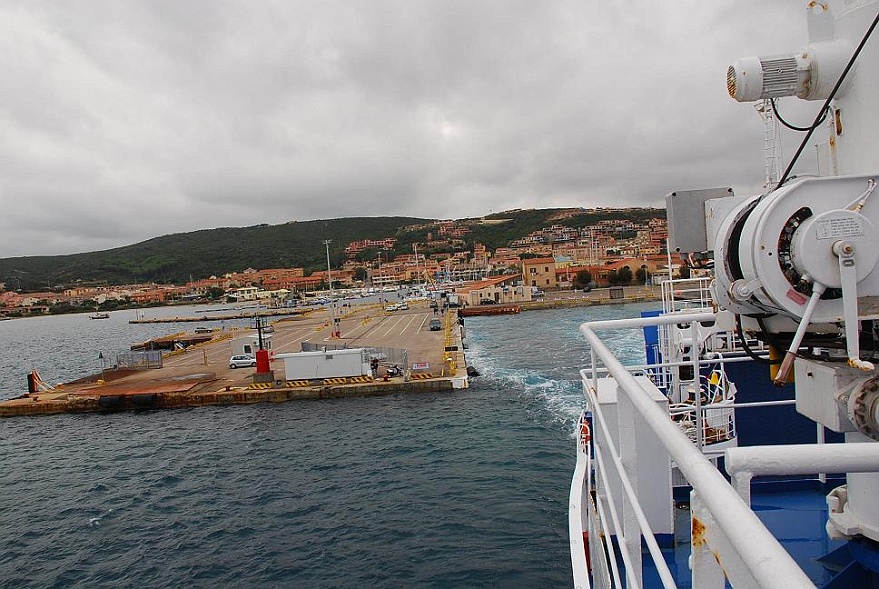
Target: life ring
(585,433)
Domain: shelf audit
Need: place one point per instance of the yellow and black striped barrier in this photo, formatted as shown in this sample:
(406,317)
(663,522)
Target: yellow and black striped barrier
(335,380)
(420,375)
(361,379)
(260,385)
(296,383)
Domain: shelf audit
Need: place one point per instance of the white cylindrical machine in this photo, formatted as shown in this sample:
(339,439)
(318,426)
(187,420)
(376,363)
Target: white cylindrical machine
(803,258)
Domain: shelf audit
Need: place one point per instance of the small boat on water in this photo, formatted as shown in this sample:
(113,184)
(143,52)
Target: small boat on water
(99,315)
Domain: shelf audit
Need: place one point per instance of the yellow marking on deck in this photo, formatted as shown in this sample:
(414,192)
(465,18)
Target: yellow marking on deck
(296,383)
(260,385)
(361,379)
(421,375)
(335,380)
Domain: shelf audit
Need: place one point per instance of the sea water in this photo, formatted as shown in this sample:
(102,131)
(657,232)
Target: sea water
(450,489)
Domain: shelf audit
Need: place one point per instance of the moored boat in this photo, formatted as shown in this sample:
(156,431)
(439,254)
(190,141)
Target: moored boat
(477,310)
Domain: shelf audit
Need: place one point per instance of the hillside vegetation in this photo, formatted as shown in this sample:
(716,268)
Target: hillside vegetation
(176,258)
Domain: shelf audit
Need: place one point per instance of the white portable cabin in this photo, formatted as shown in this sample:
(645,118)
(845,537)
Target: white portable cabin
(249,344)
(326,364)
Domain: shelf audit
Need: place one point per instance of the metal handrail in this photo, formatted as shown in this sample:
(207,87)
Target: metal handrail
(759,551)
(742,464)
(646,531)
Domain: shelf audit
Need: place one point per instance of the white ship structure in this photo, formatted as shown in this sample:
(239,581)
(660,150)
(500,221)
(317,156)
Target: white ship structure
(744,452)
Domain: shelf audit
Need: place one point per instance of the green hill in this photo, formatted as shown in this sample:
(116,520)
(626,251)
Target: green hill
(173,259)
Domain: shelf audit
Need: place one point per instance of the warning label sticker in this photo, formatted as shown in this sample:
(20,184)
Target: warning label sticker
(839,228)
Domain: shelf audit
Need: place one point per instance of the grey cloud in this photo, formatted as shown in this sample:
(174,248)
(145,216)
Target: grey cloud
(133,119)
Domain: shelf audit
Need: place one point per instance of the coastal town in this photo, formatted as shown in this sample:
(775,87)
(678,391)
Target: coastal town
(560,256)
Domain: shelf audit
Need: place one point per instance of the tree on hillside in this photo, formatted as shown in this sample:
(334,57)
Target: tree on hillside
(367,254)
(642,275)
(620,277)
(583,278)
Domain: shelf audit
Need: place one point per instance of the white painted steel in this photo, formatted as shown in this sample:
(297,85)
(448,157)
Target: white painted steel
(575,519)
(704,316)
(639,524)
(707,572)
(759,551)
(744,463)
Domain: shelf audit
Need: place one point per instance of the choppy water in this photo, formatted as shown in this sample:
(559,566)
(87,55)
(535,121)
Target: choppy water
(453,489)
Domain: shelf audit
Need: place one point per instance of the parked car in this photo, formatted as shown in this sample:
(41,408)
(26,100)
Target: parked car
(403,306)
(487,302)
(391,308)
(203,329)
(242,361)
(435,325)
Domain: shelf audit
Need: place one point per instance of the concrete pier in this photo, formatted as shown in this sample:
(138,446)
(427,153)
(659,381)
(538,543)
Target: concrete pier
(200,375)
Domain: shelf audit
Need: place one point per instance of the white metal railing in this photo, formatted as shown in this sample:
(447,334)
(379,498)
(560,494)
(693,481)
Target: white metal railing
(623,527)
(686,294)
(734,538)
(742,464)
(578,505)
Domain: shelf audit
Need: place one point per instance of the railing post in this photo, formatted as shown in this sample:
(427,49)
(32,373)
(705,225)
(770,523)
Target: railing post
(697,383)
(594,359)
(706,569)
(628,450)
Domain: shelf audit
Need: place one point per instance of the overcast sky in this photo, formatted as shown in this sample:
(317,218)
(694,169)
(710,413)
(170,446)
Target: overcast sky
(125,120)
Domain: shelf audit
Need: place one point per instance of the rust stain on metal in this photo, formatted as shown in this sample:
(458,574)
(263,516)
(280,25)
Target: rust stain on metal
(720,564)
(698,532)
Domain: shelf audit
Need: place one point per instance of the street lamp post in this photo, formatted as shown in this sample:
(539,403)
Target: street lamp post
(335,328)
(327,243)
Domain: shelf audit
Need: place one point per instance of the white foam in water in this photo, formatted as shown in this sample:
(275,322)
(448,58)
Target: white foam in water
(541,353)
(95,522)
(561,397)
